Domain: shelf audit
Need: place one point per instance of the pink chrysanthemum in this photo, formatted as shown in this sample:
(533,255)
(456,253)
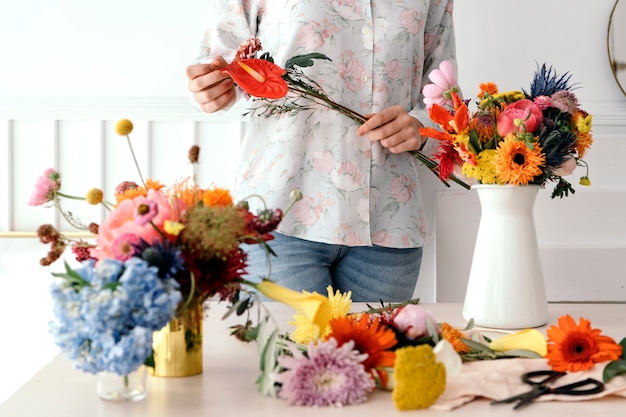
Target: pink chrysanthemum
(46,186)
(327,375)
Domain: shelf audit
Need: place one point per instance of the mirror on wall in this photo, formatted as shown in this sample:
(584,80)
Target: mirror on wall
(617,43)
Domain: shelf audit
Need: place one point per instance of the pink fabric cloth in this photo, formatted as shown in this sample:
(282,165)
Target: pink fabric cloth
(499,379)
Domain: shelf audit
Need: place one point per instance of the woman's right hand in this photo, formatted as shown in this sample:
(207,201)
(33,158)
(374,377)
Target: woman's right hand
(212,89)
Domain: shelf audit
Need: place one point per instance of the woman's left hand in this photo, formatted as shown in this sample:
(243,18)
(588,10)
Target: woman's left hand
(394,129)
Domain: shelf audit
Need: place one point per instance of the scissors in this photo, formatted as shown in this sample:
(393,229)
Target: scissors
(539,381)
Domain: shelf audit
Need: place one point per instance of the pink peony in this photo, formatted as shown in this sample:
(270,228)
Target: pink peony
(46,186)
(443,83)
(412,320)
(521,116)
(121,221)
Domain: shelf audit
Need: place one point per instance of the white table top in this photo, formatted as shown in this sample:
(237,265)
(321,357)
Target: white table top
(227,385)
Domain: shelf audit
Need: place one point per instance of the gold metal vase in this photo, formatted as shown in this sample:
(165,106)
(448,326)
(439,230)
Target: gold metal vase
(178,346)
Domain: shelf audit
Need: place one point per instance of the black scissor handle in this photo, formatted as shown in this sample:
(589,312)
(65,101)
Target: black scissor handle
(572,389)
(541,377)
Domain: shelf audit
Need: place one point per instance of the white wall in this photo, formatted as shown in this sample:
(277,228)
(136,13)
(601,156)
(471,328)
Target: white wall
(70,68)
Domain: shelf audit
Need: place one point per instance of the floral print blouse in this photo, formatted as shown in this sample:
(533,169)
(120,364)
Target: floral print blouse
(356,193)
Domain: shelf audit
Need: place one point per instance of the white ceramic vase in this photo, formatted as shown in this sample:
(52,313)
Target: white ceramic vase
(506,289)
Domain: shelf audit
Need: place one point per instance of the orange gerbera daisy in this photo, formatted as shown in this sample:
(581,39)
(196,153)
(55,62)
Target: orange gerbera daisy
(573,348)
(453,336)
(516,163)
(369,335)
(132,192)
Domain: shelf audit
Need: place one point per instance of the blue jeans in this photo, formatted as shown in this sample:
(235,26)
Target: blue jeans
(372,273)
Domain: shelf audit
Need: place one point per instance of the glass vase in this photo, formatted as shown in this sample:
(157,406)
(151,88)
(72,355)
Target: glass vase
(178,346)
(506,288)
(123,388)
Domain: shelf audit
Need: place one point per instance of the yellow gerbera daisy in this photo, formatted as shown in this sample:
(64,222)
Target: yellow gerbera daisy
(517,164)
(305,332)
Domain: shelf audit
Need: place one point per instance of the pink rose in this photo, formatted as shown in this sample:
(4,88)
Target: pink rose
(412,320)
(521,116)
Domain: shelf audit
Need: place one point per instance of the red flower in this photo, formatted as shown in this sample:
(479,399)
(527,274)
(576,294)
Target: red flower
(258,77)
(577,347)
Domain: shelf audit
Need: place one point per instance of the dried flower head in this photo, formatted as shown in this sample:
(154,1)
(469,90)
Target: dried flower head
(194,154)
(94,196)
(123,127)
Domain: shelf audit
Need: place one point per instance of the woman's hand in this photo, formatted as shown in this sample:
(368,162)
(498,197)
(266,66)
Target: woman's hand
(212,89)
(394,129)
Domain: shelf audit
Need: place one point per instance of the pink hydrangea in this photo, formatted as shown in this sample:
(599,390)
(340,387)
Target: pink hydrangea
(46,187)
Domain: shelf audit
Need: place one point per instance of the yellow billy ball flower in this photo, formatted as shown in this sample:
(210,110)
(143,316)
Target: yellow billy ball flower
(94,196)
(585,181)
(419,378)
(123,127)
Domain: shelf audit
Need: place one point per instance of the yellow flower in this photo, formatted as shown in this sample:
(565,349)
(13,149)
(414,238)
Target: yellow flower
(527,339)
(94,196)
(306,331)
(419,378)
(123,127)
(585,181)
(313,306)
(583,124)
(173,228)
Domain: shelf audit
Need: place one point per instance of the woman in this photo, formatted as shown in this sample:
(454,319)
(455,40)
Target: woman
(360,226)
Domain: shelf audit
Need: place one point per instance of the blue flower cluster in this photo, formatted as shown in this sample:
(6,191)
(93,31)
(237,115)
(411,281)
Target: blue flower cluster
(105,313)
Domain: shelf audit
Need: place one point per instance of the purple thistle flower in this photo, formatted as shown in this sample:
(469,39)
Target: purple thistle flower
(326,375)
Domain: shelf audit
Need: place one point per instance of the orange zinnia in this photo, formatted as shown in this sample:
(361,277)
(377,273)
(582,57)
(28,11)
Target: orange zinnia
(369,335)
(573,348)
(489,88)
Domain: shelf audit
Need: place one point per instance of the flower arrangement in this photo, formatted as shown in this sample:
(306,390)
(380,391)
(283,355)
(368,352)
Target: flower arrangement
(338,359)
(159,252)
(288,91)
(513,137)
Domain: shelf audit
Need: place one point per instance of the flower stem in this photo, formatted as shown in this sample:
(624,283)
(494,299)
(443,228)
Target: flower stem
(132,152)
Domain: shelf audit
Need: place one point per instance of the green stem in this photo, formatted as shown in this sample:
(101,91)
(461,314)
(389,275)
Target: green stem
(71,197)
(132,152)
(359,118)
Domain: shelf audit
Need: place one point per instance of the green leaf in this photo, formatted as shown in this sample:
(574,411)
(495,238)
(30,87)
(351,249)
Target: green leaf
(476,346)
(614,369)
(521,353)
(305,60)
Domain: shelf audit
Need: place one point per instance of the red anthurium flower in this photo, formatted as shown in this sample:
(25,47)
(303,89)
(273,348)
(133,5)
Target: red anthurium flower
(258,77)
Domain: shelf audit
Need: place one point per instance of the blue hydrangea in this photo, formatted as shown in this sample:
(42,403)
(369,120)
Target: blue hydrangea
(105,315)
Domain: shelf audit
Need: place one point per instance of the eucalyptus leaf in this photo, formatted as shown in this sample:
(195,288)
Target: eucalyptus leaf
(305,60)
(614,369)
(521,353)
(476,346)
